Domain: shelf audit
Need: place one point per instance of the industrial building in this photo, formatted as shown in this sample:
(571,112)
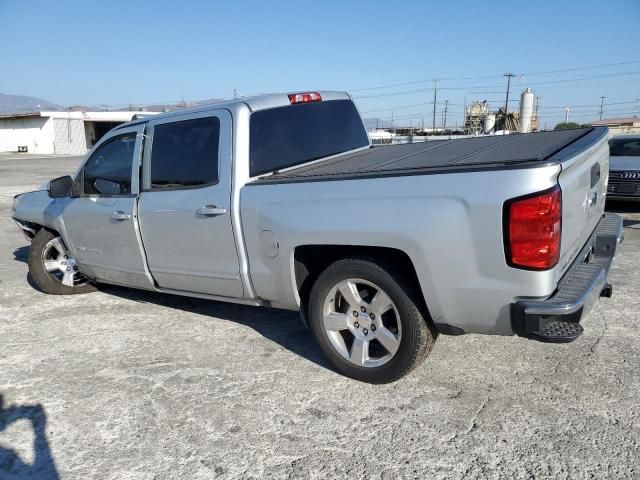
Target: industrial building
(479,119)
(61,133)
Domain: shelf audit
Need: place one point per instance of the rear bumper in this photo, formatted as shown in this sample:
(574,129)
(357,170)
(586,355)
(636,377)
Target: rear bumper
(557,319)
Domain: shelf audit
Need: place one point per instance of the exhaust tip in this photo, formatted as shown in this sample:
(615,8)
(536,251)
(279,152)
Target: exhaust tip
(607,291)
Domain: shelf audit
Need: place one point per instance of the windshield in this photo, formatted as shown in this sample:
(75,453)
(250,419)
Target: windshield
(621,147)
(286,136)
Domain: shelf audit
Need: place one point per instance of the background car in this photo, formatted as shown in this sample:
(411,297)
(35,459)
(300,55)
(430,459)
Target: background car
(624,168)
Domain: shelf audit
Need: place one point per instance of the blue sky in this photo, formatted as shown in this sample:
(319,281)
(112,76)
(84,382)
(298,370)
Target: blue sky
(121,52)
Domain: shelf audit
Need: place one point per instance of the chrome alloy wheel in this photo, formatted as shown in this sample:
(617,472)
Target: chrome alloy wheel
(362,322)
(57,261)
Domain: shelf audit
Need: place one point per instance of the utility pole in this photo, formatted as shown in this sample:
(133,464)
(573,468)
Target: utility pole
(506,102)
(637,106)
(464,115)
(537,118)
(601,106)
(444,116)
(566,115)
(235,94)
(435,99)
(392,121)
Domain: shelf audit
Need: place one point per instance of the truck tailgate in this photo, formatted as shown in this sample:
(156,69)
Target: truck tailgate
(585,167)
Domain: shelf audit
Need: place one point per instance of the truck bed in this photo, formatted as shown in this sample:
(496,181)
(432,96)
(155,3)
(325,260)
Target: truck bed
(479,153)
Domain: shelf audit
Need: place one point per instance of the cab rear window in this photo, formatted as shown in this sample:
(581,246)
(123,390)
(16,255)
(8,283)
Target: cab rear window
(283,137)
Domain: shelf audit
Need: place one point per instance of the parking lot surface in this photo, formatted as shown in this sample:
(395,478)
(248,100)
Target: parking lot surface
(123,384)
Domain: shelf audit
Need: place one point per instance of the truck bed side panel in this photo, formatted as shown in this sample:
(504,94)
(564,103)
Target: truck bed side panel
(450,226)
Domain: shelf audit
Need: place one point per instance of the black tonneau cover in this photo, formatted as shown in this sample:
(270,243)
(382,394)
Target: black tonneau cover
(501,151)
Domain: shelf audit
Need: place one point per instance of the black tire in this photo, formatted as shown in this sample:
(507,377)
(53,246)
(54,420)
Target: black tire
(44,280)
(417,338)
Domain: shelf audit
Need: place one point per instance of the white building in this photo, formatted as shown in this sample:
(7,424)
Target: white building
(62,133)
(620,126)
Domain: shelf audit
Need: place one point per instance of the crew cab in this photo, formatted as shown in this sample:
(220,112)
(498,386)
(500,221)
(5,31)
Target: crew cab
(281,201)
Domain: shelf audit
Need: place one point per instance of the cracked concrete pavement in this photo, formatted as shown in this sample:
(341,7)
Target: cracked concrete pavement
(126,384)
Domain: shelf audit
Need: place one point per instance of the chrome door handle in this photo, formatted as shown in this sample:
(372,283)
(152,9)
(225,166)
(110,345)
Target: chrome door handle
(211,211)
(120,216)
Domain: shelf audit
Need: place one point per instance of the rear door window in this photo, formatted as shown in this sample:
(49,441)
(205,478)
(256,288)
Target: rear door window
(287,136)
(184,154)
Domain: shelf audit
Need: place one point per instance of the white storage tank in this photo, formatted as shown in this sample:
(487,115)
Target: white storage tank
(489,122)
(526,110)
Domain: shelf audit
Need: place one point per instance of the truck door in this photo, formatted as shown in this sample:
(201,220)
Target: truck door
(100,220)
(185,204)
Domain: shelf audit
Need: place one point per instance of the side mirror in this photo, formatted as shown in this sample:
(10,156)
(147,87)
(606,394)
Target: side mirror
(60,187)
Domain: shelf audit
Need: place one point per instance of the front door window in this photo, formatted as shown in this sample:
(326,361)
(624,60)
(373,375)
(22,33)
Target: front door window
(108,171)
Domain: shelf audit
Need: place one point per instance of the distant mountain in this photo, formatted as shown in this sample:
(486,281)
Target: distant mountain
(23,104)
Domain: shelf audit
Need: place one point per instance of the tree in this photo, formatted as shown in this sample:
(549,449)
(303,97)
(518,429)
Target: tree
(566,125)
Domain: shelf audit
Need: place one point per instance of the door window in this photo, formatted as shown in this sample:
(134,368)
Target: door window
(184,154)
(108,171)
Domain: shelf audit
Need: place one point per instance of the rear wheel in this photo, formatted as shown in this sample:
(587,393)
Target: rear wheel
(367,322)
(53,268)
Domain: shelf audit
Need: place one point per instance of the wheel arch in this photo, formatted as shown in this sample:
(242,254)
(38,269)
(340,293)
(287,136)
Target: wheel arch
(31,229)
(309,261)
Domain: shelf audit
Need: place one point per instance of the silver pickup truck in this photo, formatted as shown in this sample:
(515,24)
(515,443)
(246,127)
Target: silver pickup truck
(281,201)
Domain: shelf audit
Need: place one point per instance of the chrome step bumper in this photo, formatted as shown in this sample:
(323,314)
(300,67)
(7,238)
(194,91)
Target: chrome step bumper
(557,318)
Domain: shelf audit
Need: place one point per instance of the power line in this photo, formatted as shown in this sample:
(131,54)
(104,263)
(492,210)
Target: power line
(420,90)
(483,77)
(398,108)
(471,88)
(415,82)
(595,77)
(593,105)
(582,68)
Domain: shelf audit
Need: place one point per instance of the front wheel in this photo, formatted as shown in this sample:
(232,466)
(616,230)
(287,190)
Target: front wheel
(53,268)
(367,323)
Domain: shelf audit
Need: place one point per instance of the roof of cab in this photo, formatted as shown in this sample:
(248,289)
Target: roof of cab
(255,103)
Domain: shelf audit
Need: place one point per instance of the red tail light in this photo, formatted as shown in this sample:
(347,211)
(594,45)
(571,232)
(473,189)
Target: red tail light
(532,230)
(304,97)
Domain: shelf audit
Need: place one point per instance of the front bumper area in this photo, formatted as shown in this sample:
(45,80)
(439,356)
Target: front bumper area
(29,231)
(624,185)
(557,319)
